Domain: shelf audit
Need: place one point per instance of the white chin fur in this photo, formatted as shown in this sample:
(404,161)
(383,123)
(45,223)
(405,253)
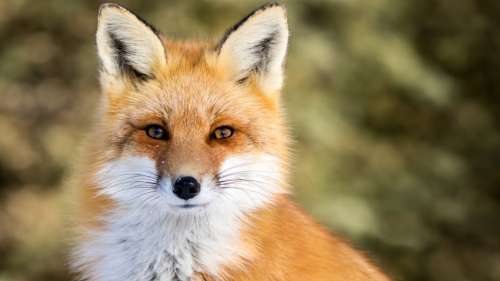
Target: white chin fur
(147,236)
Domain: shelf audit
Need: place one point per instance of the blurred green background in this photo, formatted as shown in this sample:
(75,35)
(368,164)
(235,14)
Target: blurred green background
(395,106)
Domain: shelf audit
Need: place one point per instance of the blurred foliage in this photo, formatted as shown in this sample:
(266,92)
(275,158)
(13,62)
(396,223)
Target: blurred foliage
(395,106)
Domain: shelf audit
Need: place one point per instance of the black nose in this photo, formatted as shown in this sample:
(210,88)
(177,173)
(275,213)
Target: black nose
(186,187)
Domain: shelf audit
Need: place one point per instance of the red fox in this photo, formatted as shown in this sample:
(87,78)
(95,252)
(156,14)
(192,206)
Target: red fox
(184,176)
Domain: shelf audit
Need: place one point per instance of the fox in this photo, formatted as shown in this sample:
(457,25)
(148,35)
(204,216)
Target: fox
(185,173)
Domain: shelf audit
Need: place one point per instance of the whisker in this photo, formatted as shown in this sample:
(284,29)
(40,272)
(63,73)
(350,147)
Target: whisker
(246,172)
(258,192)
(240,180)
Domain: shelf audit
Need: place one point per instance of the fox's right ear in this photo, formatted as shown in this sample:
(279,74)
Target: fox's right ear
(128,47)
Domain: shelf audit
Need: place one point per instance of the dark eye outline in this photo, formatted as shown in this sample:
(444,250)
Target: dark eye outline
(164,133)
(214,136)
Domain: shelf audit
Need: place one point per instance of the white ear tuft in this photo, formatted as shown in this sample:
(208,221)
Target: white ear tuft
(257,46)
(127,45)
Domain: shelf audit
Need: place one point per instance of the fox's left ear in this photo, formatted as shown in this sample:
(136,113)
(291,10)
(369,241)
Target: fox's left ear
(257,46)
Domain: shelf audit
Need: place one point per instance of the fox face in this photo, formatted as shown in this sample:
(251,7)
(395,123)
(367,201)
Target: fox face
(185,170)
(190,127)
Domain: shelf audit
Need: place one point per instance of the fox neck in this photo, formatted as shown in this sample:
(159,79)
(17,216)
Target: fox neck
(143,244)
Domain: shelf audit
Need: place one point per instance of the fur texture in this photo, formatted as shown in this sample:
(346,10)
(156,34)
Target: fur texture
(242,225)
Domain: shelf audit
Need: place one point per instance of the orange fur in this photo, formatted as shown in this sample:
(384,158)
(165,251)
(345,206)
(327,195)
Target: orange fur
(287,244)
(190,97)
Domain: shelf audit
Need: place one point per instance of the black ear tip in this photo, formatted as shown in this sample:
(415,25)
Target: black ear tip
(270,5)
(110,5)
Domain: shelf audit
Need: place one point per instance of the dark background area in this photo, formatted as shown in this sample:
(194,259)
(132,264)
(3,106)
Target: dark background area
(394,105)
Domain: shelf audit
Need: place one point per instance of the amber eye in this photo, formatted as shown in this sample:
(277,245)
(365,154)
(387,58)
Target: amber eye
(156,132)
(223,132)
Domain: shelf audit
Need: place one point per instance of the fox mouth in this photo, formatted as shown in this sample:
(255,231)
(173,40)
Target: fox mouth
(190,206)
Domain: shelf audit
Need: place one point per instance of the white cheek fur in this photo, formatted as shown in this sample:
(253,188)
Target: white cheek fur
(146,238)
(128,180)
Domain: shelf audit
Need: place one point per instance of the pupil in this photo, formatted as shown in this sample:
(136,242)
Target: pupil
(155,132)
(223,133)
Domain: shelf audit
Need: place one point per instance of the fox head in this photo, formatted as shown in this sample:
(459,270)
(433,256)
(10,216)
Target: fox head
(191,126)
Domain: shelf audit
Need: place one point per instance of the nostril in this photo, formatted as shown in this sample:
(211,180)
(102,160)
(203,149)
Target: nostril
(193,189)
(186,187)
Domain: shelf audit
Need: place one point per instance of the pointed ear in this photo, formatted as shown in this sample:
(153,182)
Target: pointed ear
(127,46)
(257,46)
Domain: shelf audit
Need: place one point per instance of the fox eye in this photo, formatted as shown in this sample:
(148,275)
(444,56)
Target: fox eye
(156,132)
(223,132)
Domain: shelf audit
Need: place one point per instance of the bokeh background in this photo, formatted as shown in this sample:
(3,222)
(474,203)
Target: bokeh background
(395,106)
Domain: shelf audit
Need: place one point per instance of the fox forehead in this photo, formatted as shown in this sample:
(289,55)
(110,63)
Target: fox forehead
(190,89)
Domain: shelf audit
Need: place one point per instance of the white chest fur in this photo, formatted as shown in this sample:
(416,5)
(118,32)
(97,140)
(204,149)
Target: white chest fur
(146,247)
